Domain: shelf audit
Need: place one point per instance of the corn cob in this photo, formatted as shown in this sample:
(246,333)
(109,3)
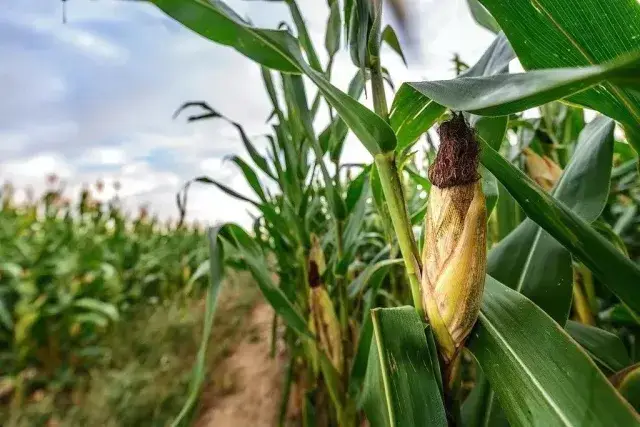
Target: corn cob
(454,255)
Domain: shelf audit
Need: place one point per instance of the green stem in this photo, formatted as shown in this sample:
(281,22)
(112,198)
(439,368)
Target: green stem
(394,196)
(377,88)
(343,310)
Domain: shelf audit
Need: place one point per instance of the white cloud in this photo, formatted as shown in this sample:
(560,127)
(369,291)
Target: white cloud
(104,156)
(93,99)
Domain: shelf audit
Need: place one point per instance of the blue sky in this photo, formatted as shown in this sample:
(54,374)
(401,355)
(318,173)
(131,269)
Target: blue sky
(93,98)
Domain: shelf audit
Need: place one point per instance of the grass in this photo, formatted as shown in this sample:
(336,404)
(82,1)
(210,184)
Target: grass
(144,375)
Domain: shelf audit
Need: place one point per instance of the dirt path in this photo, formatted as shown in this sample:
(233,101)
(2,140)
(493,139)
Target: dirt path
(255,393)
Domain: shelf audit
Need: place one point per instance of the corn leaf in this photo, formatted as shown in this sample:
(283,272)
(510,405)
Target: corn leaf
(540,375)
(491,130)
(391,39)
(616,271)
(106,309)
(303,36)
(279,50)
(413,113)
(576,33)
(510,93)
(482,16)
(605,348)
(216,271)
(334,29)
(400,387)
(530,260)
(250,176)
(372,281)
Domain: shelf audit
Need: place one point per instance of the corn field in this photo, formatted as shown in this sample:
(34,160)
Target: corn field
(69,269)
(493,280)
(481,270)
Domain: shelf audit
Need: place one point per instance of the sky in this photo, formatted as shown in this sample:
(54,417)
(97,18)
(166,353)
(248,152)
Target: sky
(93,98)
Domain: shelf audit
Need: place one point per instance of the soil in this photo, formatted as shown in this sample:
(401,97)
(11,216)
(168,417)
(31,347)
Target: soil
(254,379)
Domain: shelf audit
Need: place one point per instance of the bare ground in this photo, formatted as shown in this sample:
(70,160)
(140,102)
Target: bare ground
(253,394)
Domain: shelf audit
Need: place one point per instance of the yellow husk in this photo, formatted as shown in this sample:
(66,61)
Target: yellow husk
(543,170)
(454,263)
(324,324)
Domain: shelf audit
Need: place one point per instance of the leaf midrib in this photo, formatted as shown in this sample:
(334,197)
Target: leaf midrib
(256,34)
(615,89)
(487,323)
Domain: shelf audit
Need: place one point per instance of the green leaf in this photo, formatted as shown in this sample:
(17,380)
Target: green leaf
(400,388)
(504,94)
(379,202)
(615,270)
(507,215)
(295,86)
(353,227)
(492,131)
(359,367)
(413,113)
(532,262)
(216,21)
(333,136)
(389,36)
(303,35)
(279,50)
(539,374)
(359,285)
(268,211)
(250,176)
(605,348)
(480,408)
(584,186)
(256,263)
(334,29)
(104,308)
(210,113)
(576,33)
(5,315)
(482,16)
(216,271)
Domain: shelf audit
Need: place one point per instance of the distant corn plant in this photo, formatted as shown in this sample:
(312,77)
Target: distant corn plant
(71,268)
(516,264)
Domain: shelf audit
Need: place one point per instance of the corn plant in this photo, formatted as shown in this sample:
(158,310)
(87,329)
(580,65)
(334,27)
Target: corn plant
(514,238)
(69,270)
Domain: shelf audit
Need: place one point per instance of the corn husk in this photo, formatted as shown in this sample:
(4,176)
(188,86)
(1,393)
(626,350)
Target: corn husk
(455,249)
(454,262)
(324,324)
(542,169)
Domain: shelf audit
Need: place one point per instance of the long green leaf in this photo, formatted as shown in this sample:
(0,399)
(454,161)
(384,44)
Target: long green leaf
(279,50)
(482,17)
(619,273)
(540,375)
(413,113)
(529,259)
(604,347)
(216,271)
(510,93)
(391,39)
(401,388)
(359,367)
(575,33)
(250,176)
(492,131)
(256,263)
